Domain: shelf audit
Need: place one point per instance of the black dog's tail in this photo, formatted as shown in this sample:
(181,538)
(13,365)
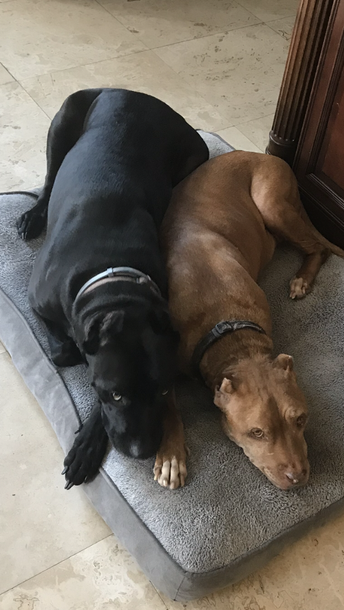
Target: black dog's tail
(28,193)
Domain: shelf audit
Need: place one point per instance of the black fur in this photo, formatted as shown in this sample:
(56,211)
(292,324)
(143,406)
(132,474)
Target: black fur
(113,158)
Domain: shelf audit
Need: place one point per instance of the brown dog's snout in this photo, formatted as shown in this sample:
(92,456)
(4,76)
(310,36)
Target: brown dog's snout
(296,475)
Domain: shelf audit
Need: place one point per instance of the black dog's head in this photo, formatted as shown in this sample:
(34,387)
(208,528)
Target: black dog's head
(131,354)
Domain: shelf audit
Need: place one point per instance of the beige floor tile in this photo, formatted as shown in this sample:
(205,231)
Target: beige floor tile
(23,132)
(267,10)
(102,577)
(306,576)
(59,34)
(238,140)
(40,523)
(283,26)
(162,22)
(239,73)
(142,71)
(5,77)
(258,131)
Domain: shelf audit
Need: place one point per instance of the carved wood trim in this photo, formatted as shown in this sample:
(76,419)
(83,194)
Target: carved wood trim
(313,135)
(306,44)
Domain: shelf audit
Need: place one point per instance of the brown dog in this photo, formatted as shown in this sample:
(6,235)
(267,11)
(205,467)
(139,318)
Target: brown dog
(220,230)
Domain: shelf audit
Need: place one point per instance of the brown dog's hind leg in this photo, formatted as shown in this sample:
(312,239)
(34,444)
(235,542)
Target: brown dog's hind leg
(170,462)
(285,217)
(302,283)
(294,229)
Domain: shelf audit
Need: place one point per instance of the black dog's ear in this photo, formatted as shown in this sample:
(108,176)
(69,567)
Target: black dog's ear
(111,325)
(90,344)
(99,329)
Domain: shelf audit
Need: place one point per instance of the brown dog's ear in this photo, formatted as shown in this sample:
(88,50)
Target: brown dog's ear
(227,387)
(283,361)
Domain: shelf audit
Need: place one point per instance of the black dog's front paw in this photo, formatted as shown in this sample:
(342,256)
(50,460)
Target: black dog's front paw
(85,457)
(65,354)
(31,224)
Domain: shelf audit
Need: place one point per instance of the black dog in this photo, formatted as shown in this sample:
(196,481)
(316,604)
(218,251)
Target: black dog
(99,282)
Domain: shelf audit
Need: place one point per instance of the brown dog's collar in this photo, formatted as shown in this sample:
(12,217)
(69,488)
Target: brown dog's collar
(220,329)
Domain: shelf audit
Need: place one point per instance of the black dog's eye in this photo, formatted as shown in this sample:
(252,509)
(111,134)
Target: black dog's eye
(164,392)
(116,396)
(257,433)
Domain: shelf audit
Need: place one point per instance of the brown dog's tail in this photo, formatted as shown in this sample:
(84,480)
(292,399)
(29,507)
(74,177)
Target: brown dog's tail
(325,242)
(328,244)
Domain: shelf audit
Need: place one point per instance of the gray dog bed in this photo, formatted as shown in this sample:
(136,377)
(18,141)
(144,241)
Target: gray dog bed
(229,519)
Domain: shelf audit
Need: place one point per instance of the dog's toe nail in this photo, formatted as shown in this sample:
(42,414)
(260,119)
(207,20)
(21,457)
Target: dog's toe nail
(64,470)
(69,485)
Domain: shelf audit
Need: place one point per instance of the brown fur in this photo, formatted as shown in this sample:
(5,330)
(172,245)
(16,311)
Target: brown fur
(220,230)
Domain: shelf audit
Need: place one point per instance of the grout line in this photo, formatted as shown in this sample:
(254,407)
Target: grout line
(188,39)
(277,32)
(293,15)
(266,22)
(234,29)
(120,23)
(19,584)
(50,73)
(31,98)
(8,71)
(272,114)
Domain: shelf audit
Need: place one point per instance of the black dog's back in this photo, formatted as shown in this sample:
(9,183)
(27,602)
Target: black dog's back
(110,194)
(140,152)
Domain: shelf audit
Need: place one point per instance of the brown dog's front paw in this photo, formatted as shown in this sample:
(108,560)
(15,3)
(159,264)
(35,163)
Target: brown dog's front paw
(299,287)
(170,470)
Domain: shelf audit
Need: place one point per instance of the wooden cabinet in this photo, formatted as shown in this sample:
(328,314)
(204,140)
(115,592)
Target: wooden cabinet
(308,129)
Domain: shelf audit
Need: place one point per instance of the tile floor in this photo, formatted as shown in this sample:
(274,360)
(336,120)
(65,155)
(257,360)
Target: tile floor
(220,63)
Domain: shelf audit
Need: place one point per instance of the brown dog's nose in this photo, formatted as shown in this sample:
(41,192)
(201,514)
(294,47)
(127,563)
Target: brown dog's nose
(297,477)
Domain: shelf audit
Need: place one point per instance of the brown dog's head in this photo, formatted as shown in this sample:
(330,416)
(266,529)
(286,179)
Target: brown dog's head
(265,413)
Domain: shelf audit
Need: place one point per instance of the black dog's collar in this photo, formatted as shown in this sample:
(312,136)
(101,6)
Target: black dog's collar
(123,273)
(220,329)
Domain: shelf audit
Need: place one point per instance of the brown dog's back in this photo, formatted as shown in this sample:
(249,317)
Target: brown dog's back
(216,243)
(221,229)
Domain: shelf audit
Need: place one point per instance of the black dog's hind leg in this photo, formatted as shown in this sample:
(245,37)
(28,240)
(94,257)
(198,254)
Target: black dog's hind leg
(63,350)
(65,130)
(85,457)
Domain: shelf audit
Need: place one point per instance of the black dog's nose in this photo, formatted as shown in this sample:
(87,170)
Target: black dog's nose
(140,451)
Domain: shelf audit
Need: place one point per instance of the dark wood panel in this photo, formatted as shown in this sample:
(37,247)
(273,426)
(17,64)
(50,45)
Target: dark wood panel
(317,162)
(331,158)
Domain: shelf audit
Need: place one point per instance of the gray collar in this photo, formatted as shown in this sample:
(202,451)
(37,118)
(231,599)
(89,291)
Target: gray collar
(220,329)
(121,273)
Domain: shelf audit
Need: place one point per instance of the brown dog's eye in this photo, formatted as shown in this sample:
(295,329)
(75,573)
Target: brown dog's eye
(301,420)
(257,433)
(116,396)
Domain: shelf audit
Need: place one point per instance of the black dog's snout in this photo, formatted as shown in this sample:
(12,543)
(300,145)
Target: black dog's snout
(141,451)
